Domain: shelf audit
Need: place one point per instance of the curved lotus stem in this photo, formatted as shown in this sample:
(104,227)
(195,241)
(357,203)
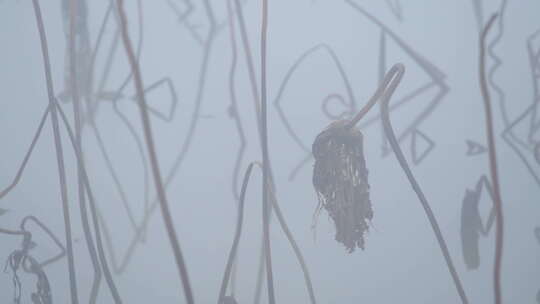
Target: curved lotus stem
(396,71)
(416,187)
(237,234)
(59,152)
(497,201)
(93,209)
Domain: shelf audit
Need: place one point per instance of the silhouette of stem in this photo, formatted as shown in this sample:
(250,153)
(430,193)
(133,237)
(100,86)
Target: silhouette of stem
(165,212)
(416,187)
(20,171)
(59,152)
(93,209)
(238,233)
(285,229)
(266,163)
(497,200)
(74,90)
(255,93)
(395,71)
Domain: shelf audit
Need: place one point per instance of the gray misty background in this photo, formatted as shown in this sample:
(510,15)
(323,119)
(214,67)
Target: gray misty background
(402,262)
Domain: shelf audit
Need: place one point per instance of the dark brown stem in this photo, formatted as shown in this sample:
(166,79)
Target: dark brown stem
(497,200)
(266,162)
(165,212)
(416,187)
(59,152)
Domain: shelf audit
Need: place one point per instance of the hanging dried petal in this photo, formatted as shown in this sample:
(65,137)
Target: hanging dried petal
(340,179)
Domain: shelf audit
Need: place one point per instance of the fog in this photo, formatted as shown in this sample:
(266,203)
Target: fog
(324,61)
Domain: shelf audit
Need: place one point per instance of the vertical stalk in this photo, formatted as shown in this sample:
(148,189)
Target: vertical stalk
(255,93)
(59,152)
(237,234)
(266,165)
(86,181)
(74,89)
(497,200)
(165,212)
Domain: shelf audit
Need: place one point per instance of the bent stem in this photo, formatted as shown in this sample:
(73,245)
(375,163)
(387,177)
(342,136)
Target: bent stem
(93,209)
(497,200)
(416,187)
(20,171)
(160,189)
(59,152)
(396,71)
(285,229)
(238,233)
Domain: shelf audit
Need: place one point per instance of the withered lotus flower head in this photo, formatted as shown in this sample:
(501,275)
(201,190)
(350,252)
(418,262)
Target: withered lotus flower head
(340,178)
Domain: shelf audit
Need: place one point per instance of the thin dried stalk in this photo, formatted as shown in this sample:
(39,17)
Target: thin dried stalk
(255,93)
(93,209)
(59,152)
(20,171)
(265,157)
(497,200)
(165,212)
(285,229)
(238,233)
(416,187)
(74,90)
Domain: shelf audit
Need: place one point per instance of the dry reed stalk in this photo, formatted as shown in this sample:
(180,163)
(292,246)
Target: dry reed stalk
(73,81)
(59,152)
(265,157)
(165,212)
(390,135)
(497,200)
(237,235)
(275,205)
(93,209)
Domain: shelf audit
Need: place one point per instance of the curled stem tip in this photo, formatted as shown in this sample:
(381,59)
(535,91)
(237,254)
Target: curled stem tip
(395,72)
